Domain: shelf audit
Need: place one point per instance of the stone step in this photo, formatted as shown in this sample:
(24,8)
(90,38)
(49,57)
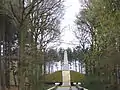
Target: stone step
(66,88)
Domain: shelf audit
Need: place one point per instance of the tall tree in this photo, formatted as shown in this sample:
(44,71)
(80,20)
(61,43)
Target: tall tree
(37,23)
(104,50)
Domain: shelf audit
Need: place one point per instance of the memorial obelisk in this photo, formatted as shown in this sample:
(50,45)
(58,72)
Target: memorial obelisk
(65,71)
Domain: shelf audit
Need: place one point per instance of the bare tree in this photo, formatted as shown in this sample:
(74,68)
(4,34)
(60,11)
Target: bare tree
(40,19)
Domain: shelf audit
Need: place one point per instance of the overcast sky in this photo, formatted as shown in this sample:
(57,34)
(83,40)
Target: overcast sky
(72,8)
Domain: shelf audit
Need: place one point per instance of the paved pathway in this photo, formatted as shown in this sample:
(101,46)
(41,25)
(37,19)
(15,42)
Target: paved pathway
(66,88)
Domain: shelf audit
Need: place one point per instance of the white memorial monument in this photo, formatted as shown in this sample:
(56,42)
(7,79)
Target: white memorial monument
(66,82)
(65,71)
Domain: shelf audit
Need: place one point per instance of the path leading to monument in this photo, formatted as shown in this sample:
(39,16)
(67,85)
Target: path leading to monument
(66,88)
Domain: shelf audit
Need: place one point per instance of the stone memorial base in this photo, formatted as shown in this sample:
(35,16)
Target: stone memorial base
(66,78)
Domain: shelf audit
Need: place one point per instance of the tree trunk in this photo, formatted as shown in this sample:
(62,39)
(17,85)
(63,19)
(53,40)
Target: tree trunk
(7,57)
(3,59)
(117,71)
(61,64)
(70,65)
(57,66)
(52,69)
(22,46)
(14,77)
(80,67)
(75,66)
(48,67)
(0,63)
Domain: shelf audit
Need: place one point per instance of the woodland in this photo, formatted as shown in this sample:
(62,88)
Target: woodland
(28,27)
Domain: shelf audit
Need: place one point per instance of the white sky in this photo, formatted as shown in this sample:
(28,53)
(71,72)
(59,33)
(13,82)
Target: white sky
(72,8)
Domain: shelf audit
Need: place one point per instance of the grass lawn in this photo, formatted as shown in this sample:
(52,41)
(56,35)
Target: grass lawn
(57,77)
